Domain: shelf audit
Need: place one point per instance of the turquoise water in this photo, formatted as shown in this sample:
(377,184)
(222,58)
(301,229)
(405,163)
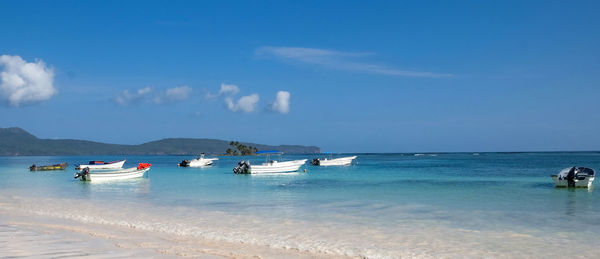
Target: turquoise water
(495,192)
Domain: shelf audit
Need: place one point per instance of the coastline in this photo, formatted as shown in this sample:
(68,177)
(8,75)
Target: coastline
(389,206)
(104,230)
(36,235)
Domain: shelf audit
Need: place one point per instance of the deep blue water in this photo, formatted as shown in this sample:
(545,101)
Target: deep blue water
(485,191)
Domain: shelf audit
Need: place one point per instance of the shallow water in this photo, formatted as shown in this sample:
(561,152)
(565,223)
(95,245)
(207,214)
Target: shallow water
(385,205)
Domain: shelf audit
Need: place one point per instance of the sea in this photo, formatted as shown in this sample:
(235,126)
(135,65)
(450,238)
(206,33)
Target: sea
(429,205)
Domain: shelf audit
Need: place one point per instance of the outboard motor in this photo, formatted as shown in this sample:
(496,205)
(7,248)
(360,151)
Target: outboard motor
(83,174)
(243,167)
(32,168)
(184,163)
(315,161)
(571,177)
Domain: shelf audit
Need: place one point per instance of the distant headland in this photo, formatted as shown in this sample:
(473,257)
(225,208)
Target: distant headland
(18,142)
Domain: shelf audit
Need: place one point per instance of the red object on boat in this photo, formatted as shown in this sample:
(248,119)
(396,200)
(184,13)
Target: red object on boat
(143,166)
(96,162)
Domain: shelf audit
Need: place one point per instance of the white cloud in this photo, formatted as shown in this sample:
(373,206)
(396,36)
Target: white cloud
(23,82)
(226,90)
(244,104)
(142,95)
(338,60)
(229,89)
(126,98)
(178,93)
(282,102)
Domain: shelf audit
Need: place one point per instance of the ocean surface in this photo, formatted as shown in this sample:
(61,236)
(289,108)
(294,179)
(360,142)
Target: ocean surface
(382,206)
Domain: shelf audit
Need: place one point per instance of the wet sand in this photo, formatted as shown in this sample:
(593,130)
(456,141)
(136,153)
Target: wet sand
(40,237)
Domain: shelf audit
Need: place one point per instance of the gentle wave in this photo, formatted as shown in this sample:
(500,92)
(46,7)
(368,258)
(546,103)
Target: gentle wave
(338,236)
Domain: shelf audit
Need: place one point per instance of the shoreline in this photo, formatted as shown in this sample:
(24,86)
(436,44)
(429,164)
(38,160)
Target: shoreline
(28,235)
(179,232)
(341,153)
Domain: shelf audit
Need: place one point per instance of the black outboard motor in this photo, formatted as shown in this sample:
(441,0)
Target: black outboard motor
(315,161)
(243,167)
(571,177)
(32,167)
(184,163)
(83,174)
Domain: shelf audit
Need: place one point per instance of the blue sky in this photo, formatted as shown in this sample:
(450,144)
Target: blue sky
(348,76)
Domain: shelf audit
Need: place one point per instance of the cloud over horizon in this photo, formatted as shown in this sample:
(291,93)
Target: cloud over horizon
(23,82)
(244,104)
(228,92)
(126,98)
(225,90)
(282,102)
(338,60)
(143,95)
(174,94)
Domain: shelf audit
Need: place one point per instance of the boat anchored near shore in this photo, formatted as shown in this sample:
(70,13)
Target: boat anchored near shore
(198,162)
(270,166)
(576,176)
(129,173)
(48,167)
(102,165)
(333,161)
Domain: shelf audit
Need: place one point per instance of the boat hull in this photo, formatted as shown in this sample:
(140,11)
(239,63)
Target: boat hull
(585,182)
(337,161)
(277,167)
(48,167)
(124,174)
(116,165)
(201,162)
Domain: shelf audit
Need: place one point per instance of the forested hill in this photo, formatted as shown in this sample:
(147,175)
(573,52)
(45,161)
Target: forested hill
(16,141)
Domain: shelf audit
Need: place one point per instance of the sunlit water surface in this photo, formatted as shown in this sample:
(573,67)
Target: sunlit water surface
(384,205)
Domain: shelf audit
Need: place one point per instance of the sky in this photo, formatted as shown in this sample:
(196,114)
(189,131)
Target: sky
(347,76)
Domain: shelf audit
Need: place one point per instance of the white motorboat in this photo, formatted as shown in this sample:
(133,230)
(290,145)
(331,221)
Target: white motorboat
(270,166)
(333,161)
(198,162)
(122,174)
(93,165)
(576,176)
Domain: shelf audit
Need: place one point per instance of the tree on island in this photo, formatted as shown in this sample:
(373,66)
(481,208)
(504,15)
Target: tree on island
(240,149)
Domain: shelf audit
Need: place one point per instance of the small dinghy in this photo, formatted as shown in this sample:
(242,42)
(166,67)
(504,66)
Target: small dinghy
(48,167)
(102,165)
(129,173)
(198,162)
(576,176)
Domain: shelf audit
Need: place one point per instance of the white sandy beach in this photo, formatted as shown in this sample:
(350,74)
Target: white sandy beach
(41,237)
(44,227)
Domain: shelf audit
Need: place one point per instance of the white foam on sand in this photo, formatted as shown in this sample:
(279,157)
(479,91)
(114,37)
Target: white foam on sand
(126,229)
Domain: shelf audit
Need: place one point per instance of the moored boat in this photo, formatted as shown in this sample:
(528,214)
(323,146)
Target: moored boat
(576,176)
(48,167)
(270,166)
(93,165)
(122,174)
(198,162)
(333,161)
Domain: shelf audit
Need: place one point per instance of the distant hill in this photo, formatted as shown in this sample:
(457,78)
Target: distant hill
(16,141)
